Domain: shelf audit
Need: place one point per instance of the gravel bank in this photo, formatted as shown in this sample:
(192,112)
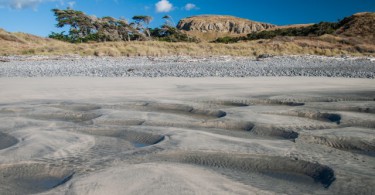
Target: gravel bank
(316,66)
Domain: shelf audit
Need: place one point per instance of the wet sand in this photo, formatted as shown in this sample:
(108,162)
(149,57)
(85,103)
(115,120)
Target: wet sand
(265,135)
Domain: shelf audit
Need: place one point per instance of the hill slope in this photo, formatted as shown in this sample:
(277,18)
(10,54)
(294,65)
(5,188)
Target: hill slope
(224,24)
(358,25)
(214,26)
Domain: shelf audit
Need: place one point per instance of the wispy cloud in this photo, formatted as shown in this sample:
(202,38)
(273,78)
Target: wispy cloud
(33,4)
(163,6)
(190,6)
(71,4)
(22,4)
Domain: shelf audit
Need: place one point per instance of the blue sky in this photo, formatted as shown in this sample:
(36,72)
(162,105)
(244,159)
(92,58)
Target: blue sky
(35,16)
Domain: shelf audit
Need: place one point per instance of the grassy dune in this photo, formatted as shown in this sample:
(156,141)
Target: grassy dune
(26,44)
(355,37)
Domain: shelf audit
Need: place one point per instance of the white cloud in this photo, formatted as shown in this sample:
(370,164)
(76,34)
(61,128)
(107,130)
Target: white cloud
(22,4)
(190,6)
(163,6)
(71,4)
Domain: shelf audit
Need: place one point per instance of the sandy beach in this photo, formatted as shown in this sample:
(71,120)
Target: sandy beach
(263,135)
(171,97)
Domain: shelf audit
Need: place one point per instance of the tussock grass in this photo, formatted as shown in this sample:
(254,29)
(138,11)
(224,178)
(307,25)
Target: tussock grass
(211,36)
(25,44)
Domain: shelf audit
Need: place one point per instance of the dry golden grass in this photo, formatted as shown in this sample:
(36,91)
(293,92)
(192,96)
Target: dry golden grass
(211,36)
(360,25)
(25,44)
(290,26)
(217,18)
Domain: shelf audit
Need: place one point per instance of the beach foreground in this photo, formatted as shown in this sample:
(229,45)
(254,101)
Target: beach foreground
(263,135)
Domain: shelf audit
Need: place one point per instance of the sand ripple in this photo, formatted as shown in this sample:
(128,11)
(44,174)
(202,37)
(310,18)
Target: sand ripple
(233,137)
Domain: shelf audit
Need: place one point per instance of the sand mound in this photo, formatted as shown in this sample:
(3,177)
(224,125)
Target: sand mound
(228,125)
(159,178)
(228,103)
(168,115)
(119,122)
(225,124)
(7,141)
(349,139)
(69,116)
(363,106)
(275,131)
(326,97)
(253,101)
(76,106)
(137,138)
(260,164)
(311,114)
(181,109)
(31,178)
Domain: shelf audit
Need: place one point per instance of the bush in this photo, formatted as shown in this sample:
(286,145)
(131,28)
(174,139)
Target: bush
(60,36)
(170,34)
(313,30)
(228,40)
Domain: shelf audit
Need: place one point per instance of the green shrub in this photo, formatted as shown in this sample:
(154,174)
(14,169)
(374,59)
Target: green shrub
(170,34)
(313,30)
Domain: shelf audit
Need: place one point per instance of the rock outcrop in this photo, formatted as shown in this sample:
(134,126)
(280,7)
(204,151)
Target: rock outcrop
(221,24)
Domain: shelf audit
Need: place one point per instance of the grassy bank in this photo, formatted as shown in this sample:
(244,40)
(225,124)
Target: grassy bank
(25,44)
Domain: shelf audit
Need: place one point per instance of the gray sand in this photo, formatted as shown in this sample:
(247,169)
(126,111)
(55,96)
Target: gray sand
(71,132)
(263,135)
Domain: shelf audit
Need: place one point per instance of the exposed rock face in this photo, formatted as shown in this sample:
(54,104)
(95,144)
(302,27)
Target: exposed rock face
(221,24)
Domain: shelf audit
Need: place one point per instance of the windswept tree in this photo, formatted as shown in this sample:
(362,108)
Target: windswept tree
(168,20)
(139,22)
(90,28)
(125,29)
(80,24)
(168,32)
(84,28)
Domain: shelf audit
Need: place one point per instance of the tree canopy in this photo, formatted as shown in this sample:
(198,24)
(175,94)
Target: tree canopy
(90,28)
(84,28)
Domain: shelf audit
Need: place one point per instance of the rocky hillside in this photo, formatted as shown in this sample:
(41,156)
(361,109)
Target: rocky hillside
(221,24)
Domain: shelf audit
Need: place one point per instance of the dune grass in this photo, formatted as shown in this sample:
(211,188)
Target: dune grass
(25,44)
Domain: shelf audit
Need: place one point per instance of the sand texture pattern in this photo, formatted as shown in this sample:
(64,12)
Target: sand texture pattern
(262,135)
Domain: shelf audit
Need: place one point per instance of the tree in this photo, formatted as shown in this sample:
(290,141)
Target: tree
(80,24)
(140,21)
(169,20)
(59,36)
(85,28)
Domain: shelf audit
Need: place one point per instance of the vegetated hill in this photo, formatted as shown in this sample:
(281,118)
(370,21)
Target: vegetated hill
(355,33)
(343,41)
(214,26)
(22,43)
(358,25)
(291,26)
(19,37)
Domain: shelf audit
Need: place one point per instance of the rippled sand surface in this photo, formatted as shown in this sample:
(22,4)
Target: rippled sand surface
(266,135)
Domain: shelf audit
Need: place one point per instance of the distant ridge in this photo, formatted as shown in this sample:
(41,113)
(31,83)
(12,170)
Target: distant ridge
(221,24)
